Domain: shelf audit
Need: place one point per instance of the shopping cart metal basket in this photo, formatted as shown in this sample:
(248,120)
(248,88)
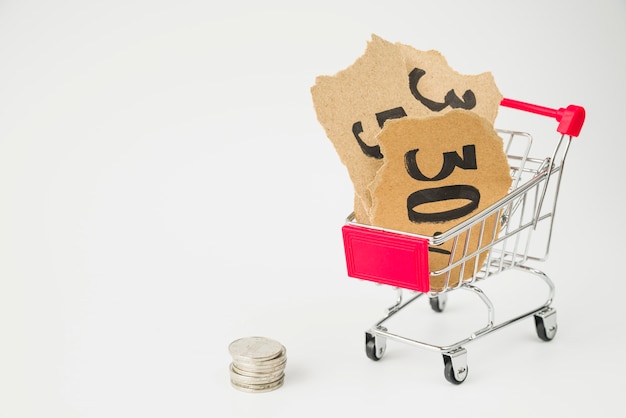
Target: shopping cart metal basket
(400,260)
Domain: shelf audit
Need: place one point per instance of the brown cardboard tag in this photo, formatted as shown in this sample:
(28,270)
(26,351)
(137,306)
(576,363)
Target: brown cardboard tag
(438,172)
(391,81)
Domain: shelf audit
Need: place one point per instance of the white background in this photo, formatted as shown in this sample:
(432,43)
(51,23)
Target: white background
(165,188)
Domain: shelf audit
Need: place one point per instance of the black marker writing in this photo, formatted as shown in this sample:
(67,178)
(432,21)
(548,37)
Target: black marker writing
(369,150)
(357,129)
(450,161)
(439,194)
(451,99)
(384,116)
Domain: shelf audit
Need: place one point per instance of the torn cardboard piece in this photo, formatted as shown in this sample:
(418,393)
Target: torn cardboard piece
(347,105)
(391,81)
(437,172)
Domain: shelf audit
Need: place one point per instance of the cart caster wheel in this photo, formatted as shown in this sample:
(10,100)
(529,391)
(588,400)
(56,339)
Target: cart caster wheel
(545,324)
(455,366)
(438,303)
(375,345)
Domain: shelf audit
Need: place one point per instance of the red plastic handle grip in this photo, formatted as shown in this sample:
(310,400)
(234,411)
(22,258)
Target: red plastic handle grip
(571,118)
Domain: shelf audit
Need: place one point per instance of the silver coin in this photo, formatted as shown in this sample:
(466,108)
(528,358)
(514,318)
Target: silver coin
(255,372)
(235,377)
(262,365)
(270,374)
(258,388)
(255,348)
(255,380)
(258,364)
(255,383)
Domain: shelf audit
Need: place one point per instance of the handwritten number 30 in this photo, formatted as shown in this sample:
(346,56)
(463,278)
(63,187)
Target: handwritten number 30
(451,160)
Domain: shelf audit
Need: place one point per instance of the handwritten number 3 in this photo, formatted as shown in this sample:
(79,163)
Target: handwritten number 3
(468,102)
(450,161)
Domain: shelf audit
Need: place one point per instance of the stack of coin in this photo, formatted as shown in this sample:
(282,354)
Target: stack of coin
(258,364)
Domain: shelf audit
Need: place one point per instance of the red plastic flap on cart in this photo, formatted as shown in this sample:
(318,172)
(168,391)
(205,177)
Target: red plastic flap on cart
(386,257)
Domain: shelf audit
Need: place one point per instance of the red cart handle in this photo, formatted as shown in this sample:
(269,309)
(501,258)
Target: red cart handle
(571,119)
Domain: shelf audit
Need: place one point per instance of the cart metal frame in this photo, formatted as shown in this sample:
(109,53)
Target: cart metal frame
(529,206)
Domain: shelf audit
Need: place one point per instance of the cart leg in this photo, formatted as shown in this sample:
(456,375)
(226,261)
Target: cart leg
(375,345)
(455,365)
(545,323)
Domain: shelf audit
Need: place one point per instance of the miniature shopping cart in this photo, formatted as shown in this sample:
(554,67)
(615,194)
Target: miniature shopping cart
(524,217)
